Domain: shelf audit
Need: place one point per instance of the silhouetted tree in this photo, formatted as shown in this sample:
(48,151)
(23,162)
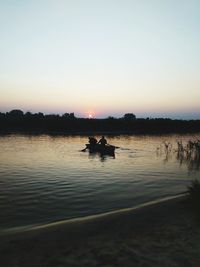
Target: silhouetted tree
(111,118)
(65,115)
(16,113)
(69,115)
(2,115)
(129,116)
(28,114)
(40,115)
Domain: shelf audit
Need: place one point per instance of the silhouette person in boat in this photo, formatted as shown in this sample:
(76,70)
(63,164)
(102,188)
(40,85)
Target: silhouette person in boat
(102,141)
(101,146)
(92,141)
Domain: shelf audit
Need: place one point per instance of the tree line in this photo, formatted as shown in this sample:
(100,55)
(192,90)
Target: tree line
(18,121)
(17,113)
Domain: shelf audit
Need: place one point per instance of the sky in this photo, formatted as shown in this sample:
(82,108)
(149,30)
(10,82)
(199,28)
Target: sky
(101,58)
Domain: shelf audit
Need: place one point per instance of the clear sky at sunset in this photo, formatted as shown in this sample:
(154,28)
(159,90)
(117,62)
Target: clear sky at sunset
(104,57)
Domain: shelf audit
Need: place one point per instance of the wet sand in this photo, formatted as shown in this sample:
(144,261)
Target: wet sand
(161,234)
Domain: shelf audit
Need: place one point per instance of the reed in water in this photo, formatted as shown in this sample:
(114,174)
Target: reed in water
(189,154)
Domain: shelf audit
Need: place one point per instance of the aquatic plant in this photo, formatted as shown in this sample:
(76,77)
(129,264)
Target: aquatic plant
(186,153)
(167,146)
(189,154)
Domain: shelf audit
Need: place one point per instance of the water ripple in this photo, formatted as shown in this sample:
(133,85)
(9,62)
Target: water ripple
(45,179)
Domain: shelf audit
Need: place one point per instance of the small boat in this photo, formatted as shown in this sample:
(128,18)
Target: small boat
(107,149)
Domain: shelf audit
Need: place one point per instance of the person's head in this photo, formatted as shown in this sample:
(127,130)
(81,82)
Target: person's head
(102,137)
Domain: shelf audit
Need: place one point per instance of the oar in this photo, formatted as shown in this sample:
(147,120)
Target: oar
(84,149)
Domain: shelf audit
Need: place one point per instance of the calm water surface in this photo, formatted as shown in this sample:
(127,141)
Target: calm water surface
(45,179)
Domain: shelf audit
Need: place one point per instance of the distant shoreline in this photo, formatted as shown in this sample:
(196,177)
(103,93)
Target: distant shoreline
(16,121)
(62,126)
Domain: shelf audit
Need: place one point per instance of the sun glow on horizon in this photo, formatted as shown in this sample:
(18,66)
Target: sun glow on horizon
(90,115)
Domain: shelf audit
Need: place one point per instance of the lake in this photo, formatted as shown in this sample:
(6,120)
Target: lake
(46,179)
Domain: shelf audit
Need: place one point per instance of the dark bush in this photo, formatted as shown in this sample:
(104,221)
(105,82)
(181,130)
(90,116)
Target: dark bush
(194,194)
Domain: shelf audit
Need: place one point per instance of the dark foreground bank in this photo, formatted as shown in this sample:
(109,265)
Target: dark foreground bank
(162,234)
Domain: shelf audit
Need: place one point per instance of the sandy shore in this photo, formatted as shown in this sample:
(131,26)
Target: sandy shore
(161,234)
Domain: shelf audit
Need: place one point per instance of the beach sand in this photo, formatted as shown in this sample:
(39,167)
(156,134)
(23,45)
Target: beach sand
(161,234)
